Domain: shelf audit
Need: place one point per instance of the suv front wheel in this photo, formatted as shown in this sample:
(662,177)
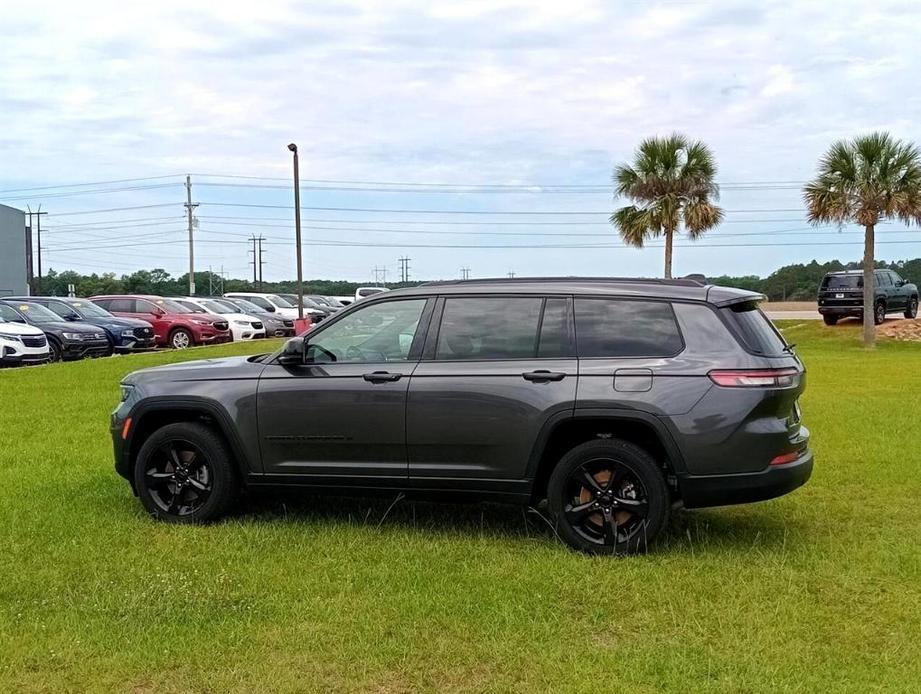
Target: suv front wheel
(184,474)
(608,497)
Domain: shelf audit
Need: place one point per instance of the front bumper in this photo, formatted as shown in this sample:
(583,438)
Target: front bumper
(210,337)
(85,348)
(699,491)
(23,359)
(129,345)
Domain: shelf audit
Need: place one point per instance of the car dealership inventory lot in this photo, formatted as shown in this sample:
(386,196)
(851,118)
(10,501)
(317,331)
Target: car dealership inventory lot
(820,589)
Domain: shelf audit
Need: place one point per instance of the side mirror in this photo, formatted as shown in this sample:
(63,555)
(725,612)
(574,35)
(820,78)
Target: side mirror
(71,317)
(294,352)
(270,308)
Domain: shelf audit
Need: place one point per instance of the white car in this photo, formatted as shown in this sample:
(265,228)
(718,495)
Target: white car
(275,304)
(242,327)
(22,344)
(365,292)
(344,300)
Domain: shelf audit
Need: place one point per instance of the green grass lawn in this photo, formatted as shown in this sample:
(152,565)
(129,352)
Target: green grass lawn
(817,591)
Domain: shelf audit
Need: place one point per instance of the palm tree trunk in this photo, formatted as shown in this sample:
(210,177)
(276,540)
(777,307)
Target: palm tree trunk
(869,290)
(669,235)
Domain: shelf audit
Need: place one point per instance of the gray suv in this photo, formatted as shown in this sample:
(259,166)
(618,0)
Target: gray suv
(612,399)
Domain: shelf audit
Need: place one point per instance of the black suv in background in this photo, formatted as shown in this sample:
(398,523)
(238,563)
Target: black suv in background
(125,334)
(611,399)
(841,296)
(65,340)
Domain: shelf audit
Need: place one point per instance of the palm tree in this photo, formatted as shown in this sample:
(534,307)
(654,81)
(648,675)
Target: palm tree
(868,180)
(671,182)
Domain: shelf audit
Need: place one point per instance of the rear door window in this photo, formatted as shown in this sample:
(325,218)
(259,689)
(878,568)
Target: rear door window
(756,331)
(556,330)
(625,328)
(489,328)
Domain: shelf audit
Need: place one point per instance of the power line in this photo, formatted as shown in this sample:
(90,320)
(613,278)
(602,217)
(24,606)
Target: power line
(100,191)
(115,209)
(481,212)
(92,183)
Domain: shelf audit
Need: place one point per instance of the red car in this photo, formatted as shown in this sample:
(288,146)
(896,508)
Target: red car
(173,325)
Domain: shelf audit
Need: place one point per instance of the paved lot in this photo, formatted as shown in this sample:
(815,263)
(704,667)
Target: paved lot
(793,315)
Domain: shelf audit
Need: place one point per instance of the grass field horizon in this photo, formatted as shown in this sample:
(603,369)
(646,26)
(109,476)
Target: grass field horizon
(818,590)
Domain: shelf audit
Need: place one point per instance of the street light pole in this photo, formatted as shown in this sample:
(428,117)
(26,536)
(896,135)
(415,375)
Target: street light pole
(297,234)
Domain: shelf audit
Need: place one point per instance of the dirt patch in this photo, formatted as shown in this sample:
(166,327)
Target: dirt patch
(907,330)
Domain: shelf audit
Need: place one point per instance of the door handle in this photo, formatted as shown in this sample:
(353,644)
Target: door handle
(542,375)
(382,377)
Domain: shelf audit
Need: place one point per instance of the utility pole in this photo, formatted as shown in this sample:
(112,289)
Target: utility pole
(261,261)
(210,283)
(297,233)
(189,207)
(30,277)
(254,261)
(404,269)
(465,273)
(511,274)
(37,250)
(222,280)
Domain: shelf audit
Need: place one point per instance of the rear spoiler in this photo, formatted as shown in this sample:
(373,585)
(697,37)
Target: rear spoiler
(728,296)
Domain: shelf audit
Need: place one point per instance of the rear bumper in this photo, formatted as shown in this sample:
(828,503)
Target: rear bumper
(841,310)
(698,491)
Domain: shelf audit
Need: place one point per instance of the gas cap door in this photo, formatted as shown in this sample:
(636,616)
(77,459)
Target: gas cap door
(633,380)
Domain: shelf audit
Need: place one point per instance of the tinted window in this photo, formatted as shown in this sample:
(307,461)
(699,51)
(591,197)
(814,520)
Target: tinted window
(883,280)
(757,332)
(489,328)
(379,332)
(189,307)
(843,281)
(556,329)
(261,303)
(121,305)
(620,328)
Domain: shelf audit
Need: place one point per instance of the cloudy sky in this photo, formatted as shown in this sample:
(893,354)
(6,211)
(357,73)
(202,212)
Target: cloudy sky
(525,106)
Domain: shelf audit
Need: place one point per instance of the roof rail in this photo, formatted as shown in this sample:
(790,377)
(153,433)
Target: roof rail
(681,282)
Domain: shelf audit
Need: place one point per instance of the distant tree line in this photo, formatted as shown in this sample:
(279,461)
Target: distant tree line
(158,281)
(790,283)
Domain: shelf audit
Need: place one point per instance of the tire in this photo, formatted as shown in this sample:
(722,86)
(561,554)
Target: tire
(625,477)
(830,320)
(911,311)
(54,350)
(180,338)
(879,313)
(184,473)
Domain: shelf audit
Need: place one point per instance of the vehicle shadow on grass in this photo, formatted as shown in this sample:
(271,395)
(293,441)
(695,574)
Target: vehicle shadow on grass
(719,530)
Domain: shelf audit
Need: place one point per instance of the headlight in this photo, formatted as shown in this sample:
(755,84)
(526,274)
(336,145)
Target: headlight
(12,338)
(244,323)
(127,390)
(72,336)
(202,322)
(127,333)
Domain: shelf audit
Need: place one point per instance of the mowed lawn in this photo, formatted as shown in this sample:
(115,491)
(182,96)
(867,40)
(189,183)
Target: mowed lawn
(817,591)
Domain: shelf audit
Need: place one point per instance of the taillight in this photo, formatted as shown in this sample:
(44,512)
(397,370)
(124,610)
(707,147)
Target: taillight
(755,378)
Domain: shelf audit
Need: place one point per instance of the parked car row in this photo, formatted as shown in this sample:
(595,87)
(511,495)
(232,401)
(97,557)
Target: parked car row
(38,329)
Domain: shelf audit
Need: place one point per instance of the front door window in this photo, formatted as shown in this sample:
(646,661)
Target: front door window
(380,332)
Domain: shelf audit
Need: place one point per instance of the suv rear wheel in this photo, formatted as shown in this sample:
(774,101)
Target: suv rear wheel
(879,313)
(911,311)
(184,474)
(608,497)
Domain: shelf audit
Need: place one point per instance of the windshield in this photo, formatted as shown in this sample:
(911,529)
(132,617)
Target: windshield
(37,314)
(278,301)
(215,307)
(843,282)
(88,309)
(171,306)
(245,306)
(189,307)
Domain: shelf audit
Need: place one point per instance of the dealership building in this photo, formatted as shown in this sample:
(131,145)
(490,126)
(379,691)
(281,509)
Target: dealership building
(14,261)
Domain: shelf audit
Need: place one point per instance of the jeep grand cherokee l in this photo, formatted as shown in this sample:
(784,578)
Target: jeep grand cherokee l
(611,399)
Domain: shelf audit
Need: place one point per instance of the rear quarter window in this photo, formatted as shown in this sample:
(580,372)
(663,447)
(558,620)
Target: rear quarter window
(755,330)
(626,328)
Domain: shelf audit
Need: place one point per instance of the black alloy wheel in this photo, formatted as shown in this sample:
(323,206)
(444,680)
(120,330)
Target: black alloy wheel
(879,313)
(183,474)
(609,497)
(54,350)
(911,311)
